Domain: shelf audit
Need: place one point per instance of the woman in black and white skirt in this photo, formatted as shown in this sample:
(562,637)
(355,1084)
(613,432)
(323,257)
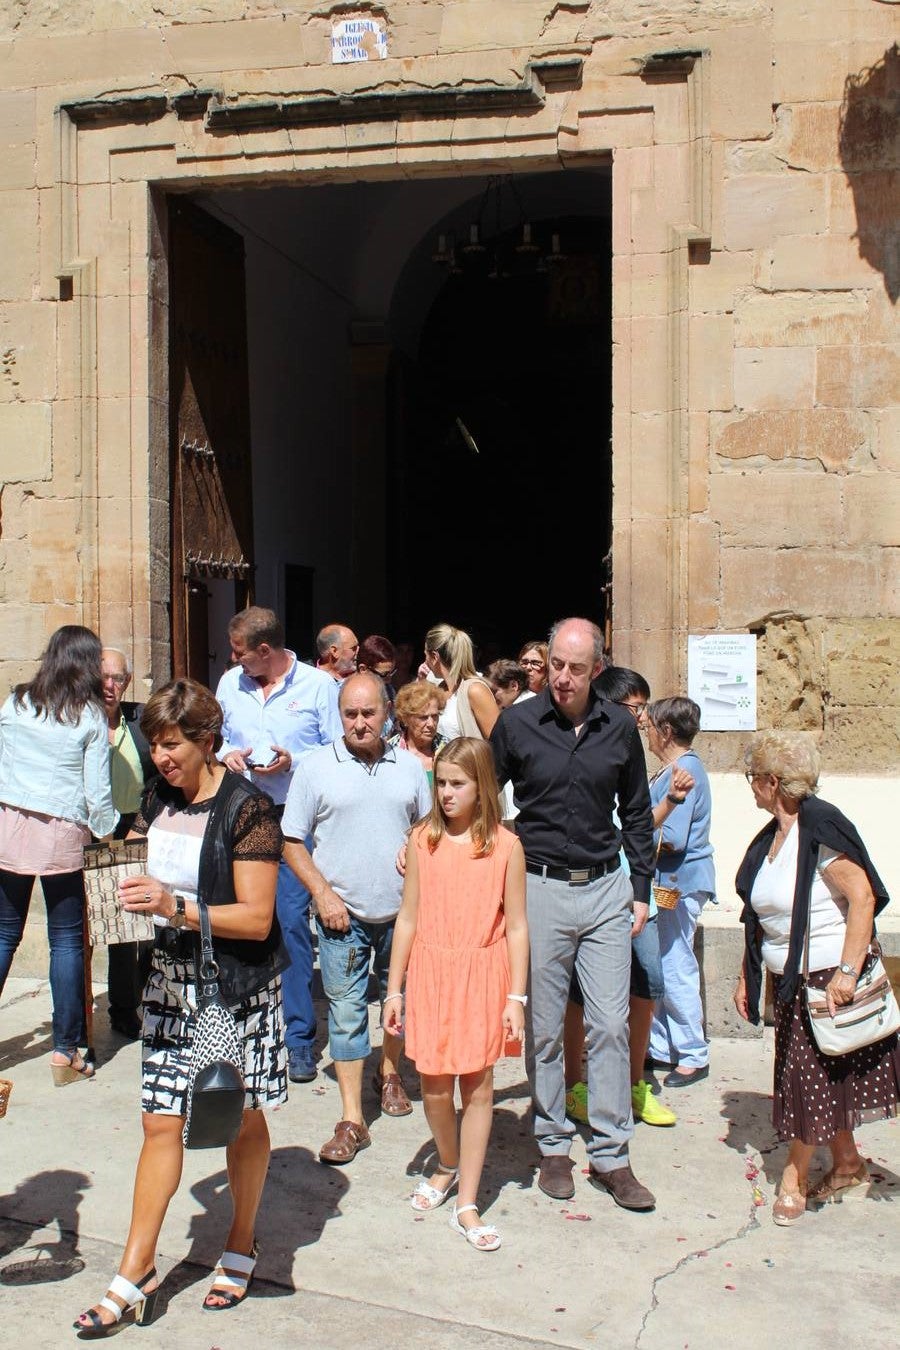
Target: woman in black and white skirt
(213,835)
(809,866)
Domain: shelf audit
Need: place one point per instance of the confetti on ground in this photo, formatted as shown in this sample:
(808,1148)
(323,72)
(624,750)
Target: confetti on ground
(584,1218)
(730,1286)
(759,1199)
(767,1261)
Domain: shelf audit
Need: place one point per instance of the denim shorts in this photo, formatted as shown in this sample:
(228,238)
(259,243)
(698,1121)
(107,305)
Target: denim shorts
(344,960)
(646,966)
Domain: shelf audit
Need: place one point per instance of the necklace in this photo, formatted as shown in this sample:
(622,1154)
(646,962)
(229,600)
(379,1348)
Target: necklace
(778,842)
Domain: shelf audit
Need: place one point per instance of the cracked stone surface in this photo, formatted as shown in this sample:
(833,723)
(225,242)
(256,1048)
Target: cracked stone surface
(343,1253)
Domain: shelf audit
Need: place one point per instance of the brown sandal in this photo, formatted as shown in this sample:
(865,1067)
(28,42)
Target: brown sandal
(394,1101)
(346,1142)
(836,1187)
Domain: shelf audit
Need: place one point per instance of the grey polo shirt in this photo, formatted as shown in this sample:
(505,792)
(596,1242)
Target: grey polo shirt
(358,815)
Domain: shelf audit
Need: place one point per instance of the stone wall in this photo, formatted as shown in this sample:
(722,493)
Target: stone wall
(756,237)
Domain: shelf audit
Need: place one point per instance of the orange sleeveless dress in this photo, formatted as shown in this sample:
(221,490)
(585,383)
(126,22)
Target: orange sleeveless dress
(458,976)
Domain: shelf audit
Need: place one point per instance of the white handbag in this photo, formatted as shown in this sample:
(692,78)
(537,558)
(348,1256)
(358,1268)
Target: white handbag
(870,1017)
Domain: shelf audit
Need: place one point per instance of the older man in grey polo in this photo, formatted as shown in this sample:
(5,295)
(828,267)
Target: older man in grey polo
(571,757)
(357,799)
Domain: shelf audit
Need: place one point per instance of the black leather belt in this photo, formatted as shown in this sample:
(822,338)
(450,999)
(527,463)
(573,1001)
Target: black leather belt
(573,876)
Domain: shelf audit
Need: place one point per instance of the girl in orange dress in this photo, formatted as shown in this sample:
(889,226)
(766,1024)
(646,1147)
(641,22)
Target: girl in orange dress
(463,934)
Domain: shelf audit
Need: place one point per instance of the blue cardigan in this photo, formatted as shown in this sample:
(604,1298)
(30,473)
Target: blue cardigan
(686,857)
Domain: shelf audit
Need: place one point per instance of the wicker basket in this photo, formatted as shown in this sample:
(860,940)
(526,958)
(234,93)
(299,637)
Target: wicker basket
(5,1090)
(666,897)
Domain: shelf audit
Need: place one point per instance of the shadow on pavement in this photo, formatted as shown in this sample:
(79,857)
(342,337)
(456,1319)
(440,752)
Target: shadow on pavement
(43,1200)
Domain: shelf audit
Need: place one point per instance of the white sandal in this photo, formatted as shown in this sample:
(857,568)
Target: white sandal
(426,1196)
(237,1285)
(483,1237)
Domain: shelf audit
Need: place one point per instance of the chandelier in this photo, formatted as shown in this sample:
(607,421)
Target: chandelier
(500,241)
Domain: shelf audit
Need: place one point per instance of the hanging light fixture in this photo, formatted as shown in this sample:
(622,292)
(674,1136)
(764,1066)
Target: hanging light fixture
(500,212)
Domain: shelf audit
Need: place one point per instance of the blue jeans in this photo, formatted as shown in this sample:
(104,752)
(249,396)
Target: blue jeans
(292,908)
(64,896)
(344,962)
(677,1035)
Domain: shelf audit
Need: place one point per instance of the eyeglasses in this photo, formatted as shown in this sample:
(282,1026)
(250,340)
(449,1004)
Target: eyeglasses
(637,710)
(750,775)
(532,665)
(116,679)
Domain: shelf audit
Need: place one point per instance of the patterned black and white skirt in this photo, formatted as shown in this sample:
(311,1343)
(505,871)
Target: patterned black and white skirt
(170,1017)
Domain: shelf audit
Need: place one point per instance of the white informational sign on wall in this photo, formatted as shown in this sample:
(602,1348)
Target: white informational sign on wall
(357,40)
(722,680)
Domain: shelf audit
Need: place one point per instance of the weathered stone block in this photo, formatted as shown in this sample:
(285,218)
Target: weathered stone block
(836,438)
(25,442)
(862,740)
(762,208)
(792,509)
(887,438)
(711,363)
(820,263)
(812,70)
(19,232)
(651,465)
(825,581)
(703,574)
(649,383)
(740,107)
(872,505)
(27,352)
(774,377)
(715,285)
(812,140)
(808,319)
(698,439)
(858,377)
(469,24)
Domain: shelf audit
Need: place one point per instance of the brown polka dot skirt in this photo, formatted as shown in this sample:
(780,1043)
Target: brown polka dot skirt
(816,1095)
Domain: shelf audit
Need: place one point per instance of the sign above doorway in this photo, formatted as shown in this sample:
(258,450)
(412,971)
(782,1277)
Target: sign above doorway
(358,39)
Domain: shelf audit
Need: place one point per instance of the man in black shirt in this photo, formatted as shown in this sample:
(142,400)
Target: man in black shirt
(571,758)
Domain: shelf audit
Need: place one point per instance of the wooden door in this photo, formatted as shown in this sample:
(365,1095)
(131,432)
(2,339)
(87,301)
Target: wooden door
(211,484)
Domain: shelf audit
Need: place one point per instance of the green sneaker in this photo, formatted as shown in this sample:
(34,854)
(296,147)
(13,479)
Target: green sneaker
(576,1103)
(648,1108)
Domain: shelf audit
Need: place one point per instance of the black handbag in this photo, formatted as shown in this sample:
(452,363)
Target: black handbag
(215,1100)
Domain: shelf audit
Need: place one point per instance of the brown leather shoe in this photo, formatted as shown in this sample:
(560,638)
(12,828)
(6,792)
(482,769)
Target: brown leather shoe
(346,1142)
(624,1187)
(394,1101)
(555,1176)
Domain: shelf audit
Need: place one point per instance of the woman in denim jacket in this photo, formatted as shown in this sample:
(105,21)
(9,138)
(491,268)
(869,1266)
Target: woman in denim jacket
(685,862)
(54,794)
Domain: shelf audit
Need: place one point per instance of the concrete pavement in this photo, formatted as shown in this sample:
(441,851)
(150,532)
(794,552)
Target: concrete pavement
(345,1263)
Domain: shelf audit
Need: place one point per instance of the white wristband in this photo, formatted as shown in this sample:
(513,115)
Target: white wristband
(387,998)
(518,998)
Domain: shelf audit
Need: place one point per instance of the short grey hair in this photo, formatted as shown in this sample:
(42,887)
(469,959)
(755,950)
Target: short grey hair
(374,678)
(117,651)
(595,632)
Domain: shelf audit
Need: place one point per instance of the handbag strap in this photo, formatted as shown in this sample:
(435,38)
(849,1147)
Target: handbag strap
(207,966)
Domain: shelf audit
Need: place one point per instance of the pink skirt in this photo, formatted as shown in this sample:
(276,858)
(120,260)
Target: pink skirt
(35,845)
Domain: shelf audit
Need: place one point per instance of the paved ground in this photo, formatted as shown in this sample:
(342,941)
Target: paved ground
(346,1264)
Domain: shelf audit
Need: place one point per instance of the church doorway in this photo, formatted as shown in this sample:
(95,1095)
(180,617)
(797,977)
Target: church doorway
(427,423)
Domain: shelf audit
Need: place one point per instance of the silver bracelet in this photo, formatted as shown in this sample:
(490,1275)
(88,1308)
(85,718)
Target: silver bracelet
(387,998)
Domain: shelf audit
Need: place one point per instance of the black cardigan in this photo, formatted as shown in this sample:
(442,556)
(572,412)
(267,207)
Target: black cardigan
(818,823)
(245,966)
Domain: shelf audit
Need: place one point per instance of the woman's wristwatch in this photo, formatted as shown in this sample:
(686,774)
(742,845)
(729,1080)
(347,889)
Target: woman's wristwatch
(846,969)
(179,918)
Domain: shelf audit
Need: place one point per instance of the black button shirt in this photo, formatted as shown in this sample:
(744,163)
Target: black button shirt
(566,787)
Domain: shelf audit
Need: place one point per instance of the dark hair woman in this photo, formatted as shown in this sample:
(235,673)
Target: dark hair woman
(54,793)
(215,837)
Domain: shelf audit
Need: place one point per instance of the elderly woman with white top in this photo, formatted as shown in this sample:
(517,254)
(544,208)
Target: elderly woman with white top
(685,863)
(808,869)
(54,794)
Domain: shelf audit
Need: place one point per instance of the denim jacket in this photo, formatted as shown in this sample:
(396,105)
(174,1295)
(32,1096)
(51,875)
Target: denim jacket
(57,769)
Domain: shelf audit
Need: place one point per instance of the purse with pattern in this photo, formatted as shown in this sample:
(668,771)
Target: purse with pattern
(215,1099)
(105,865)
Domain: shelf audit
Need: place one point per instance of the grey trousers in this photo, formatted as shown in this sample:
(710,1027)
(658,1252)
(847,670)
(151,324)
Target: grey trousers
(588,927)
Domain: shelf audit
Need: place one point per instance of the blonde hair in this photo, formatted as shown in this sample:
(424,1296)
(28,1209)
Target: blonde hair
(454,647)
(476,760)
(790,756)
(416,697)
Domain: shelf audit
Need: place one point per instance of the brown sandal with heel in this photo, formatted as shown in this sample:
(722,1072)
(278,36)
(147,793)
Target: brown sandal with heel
(835,1187)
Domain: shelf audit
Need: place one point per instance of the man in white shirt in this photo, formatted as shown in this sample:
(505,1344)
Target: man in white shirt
(275,710)
(357,799)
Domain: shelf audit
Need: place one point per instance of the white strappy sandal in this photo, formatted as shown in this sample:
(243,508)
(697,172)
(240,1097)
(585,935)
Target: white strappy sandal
(483,1237)
(426,1196)
(134,1298)
(240,1283)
